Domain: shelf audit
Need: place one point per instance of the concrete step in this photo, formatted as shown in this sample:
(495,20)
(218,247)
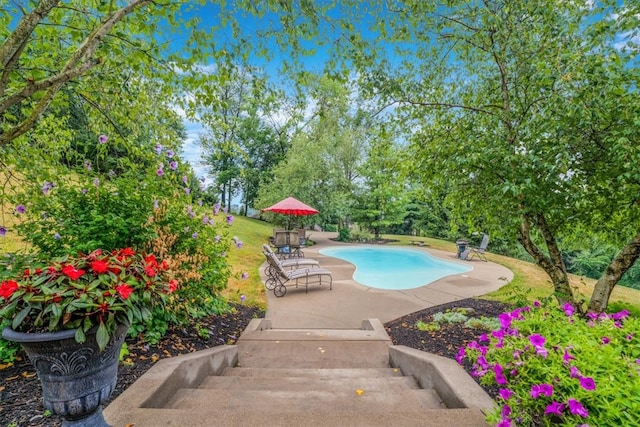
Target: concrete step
(313,373)
(313,354)
(305,383)
(248,417)
(294,402)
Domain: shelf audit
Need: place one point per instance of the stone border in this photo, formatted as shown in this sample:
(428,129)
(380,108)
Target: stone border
(454,385)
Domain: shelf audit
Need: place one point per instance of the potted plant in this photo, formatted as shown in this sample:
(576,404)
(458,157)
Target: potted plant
(71,316)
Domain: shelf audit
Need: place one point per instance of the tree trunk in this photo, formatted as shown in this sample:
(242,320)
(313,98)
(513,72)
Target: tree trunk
(614,272)
(553,264)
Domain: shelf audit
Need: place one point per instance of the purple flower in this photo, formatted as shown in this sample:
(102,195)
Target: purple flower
(20,209)
(505,320)
(505,411)
(629,337)
(87,165)
(576,408)
(504,422)
(187,190)
(3,231)
(541,389)
(245,275)
(605,340)
(158,148)
(505,393)
(211,221)
(568,309)
(185,179)
(554,408)
(537,340)
(205,220)
(46,187)
(621,315)
(536,303)
(239,244)
(173,165)
(566,357)
(84,191)
(102,139)
(500,378)
(587,383)
(229,219)
(170,153)
(243,297)
(156,204)
(194,235)
(57,236)
(96,182)
(160,172)
(216,208)
(217,238)
(460,355)
(541,351)
(575,372)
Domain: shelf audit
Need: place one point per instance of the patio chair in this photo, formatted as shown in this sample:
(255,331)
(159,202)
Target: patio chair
(291,263)
(478,251)
(283,276)
(288,244)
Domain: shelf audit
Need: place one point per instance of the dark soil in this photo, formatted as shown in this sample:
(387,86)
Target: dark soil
(21,396)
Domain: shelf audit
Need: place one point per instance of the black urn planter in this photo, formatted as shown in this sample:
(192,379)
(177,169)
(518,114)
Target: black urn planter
(76,378)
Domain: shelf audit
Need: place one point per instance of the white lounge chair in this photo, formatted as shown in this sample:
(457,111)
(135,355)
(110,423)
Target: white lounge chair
(282,276)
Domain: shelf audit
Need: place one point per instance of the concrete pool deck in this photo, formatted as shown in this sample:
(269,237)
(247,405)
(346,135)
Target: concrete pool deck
(349,302)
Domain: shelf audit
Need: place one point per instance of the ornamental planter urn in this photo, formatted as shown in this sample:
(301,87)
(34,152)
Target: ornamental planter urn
(76,378)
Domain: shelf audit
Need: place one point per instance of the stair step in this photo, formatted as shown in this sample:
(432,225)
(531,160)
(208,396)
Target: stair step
(247,416)
(304,384)
(313,373)
(321,401)
(313,354)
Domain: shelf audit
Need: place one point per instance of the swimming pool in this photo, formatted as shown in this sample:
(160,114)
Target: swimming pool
(394,268)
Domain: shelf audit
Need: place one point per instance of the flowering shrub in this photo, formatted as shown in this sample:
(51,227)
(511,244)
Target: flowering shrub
(554,367)
(96,290)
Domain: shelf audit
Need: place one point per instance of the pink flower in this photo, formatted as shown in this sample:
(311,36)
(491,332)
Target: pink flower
(541,389)
(554,408)
(568,309)
(102,139)
(576,408)
(505,393)
(567,357)
(537,340)
(587,383)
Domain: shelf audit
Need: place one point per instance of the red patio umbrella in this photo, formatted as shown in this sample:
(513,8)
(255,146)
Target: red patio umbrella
(291,206)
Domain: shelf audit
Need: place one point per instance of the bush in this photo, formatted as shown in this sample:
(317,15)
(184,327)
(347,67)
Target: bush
(554,367)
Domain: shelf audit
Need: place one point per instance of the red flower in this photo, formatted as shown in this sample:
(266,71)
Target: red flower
(173,285)
(124,290)
(100,266)
(72,272)
(126,252)
(149,271)
(151,260)
(7,288)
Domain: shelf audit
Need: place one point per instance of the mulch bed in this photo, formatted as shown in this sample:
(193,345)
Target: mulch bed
(21,396)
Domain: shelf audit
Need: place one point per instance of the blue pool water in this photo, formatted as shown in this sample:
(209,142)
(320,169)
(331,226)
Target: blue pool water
(394,268)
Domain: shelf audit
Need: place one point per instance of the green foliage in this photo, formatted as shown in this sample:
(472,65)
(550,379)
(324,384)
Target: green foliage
(484,323)
(431,326)
(554,368)
(450,317)
(344,235)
